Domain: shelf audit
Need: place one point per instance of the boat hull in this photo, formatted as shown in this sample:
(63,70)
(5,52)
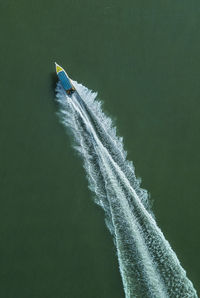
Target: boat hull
(64,79)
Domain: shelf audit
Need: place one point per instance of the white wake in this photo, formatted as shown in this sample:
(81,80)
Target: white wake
(148,265)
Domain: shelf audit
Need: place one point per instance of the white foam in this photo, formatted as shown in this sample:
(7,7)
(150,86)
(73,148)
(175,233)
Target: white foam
(148,265)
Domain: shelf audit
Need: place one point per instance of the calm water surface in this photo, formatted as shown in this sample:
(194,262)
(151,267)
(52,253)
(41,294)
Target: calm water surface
(143,57)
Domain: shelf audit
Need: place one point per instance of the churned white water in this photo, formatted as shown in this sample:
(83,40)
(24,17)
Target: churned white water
(148,265)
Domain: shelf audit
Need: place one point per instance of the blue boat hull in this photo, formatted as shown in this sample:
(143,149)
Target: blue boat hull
(64,79)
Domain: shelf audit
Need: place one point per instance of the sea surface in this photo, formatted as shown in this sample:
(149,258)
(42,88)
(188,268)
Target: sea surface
(143,58)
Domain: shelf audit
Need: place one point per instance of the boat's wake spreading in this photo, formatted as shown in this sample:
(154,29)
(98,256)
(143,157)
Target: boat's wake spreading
(148,265)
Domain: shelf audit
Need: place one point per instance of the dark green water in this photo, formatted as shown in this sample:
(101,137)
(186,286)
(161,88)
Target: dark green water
(144,59)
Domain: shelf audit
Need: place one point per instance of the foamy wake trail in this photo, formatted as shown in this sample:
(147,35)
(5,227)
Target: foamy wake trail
(148,265)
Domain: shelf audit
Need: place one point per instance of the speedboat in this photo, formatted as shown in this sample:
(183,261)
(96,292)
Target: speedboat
(64,79)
